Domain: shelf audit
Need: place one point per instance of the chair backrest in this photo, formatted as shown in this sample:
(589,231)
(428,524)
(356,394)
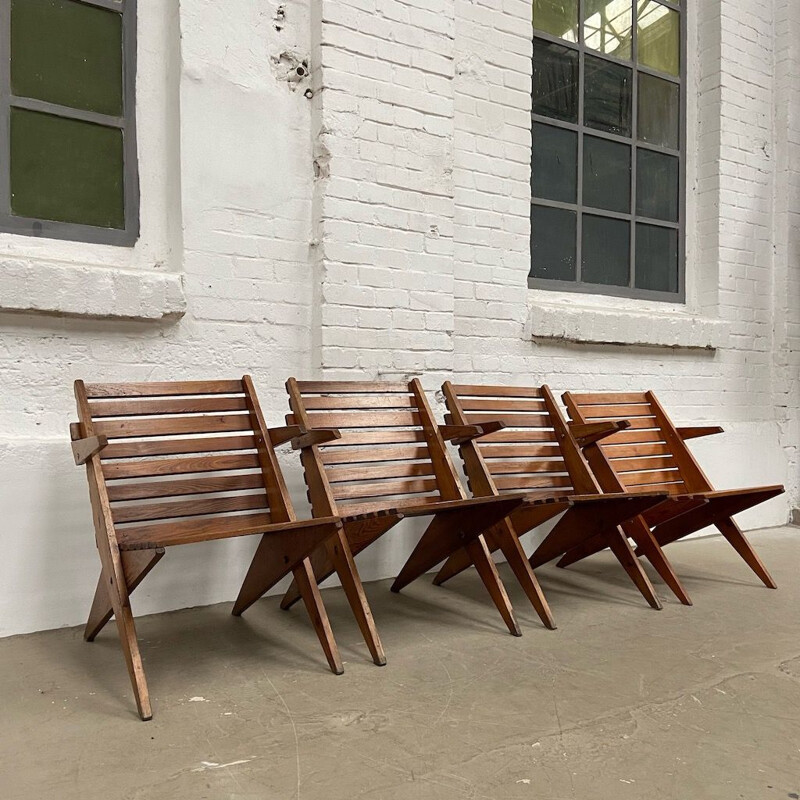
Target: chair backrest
(533,453)
(390,455)
(187,461)
(650,455)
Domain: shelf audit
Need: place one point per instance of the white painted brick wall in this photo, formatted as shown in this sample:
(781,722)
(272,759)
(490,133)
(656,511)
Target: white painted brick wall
(381,229)
(386,222)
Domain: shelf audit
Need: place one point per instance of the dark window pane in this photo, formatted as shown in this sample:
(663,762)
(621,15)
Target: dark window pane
(657,185)
(606,174)
(607,96)
(67,53)
(659,35)
(553,241)
(555,81)
(557,17)
(659,111)
(656,258)
(606,251)
(608,26)
(554,169)
(66,170)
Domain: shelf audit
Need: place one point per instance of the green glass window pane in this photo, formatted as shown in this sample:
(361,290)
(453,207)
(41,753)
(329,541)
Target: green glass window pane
(606,174)
(605,251)
(66,170)
(657,179)
(607,96)
(553,243)
(557,17)
(67,53)
(555,81)
(659,32)
(656,258)
(554,166)
(659,111)
(608,27)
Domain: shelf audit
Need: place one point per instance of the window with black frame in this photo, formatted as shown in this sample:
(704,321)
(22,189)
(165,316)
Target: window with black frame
(607,167)
(67,119)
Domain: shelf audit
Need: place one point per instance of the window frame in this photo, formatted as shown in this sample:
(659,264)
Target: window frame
(73,231)
(629,291)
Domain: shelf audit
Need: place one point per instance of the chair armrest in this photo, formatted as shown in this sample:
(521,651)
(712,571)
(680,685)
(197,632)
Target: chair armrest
(695,432)
(84,449)
(279,436)
(315,437)
(301,438)
(460,434)
(587,433)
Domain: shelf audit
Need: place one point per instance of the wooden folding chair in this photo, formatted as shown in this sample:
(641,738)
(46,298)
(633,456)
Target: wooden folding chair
(391,462)
(653,455)
(533,450)
(177,463)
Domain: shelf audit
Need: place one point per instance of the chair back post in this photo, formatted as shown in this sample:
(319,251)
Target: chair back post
(105,533)
(450,487)
(595,457)
(323,503)
(693,476)
(478,474)
(583,481)
(280,503)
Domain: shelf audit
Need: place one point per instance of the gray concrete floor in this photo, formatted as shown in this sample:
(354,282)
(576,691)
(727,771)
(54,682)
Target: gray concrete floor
(620,702)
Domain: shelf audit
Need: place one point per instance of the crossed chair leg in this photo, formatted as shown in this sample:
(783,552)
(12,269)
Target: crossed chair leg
(278,554)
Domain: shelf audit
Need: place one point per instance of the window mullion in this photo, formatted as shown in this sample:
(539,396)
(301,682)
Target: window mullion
(111,5)
(5,93)
(634,137)
(45,107)
(130,155)
(579,198)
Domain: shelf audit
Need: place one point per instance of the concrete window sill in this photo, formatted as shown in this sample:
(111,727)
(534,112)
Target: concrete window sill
(47,287)
(643,327)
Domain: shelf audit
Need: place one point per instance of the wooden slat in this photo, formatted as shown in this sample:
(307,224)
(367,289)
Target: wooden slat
(501,406)
(179,466)
(549,493)
(634,423)
(669,488)
(606,398)
(509,467)
(174,447)
(349,507)
(383,488)
(144,490)
(523,482)
(520,436)
(465,390)
(359,419)
(349,387)
(388,470)
(622,465)
(614,451)
(182,405)
(163,389)
(649,477)
(512,420)
(640,423)
(633,437)
(376,438)
(189,508)
(173,426)
(356,401)
(366,455)
(194,530)
(517,450)
(621,410)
